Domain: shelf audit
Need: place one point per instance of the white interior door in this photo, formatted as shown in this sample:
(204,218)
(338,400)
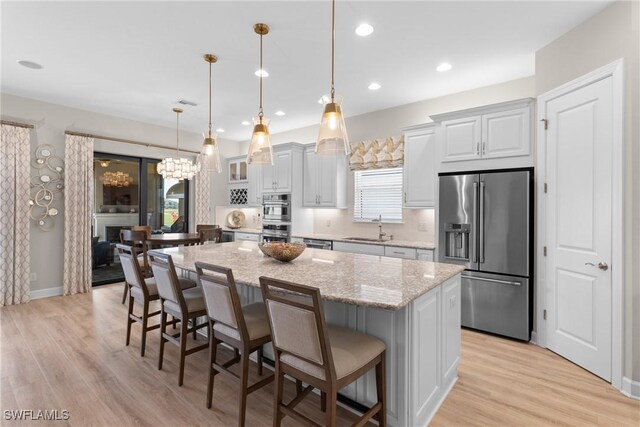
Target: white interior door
(579,144)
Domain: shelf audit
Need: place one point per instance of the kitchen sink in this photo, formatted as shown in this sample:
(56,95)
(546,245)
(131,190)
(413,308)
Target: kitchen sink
(365,239)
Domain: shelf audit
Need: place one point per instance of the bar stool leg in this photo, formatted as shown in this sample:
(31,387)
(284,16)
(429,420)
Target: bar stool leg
(129,320)
(145,319)
(184,323)
(163,328)
(260,361)
(213,348)
(244,374)
(332,407)
(381,392)
(277,401)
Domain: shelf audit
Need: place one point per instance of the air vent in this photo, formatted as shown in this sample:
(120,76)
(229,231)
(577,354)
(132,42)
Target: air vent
(186,102)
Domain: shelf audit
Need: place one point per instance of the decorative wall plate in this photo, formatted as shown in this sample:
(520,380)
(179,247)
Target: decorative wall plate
(46,185)
(236,219)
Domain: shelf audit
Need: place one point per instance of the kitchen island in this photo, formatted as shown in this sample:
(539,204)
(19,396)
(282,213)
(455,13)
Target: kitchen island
(413,306)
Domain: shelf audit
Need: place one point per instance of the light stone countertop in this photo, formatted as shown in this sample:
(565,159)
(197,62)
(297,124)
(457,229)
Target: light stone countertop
(365,280)
(414,244)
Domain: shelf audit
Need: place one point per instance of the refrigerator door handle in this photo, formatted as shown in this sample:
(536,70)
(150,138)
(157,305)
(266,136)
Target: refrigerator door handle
(481,223)
(488,280)
(474,229)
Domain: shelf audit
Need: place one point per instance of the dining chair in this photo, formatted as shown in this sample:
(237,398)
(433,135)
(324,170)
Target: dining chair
(136,240)
(246,329)
(141,291)
(145,228)
(205,226)
(323,356)
(213,235)
(184,305)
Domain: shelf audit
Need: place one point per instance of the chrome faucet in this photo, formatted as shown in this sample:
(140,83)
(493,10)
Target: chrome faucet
(381,234)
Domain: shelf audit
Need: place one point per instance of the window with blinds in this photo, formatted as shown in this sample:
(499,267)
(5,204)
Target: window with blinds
(378,192)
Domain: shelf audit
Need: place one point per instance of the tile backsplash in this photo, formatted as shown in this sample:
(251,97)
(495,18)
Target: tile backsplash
(417,225)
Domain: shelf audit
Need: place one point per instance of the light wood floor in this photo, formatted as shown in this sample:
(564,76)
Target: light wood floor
(69,353)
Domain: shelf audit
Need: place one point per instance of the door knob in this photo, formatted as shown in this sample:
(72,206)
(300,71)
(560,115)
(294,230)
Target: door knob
(601,265)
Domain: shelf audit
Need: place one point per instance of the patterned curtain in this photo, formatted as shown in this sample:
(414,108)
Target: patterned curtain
(377,154)
(14,215)
(203,187)
(78,196)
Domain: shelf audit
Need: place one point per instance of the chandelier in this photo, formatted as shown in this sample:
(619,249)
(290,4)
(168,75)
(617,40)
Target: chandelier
(177,168)
(116,179)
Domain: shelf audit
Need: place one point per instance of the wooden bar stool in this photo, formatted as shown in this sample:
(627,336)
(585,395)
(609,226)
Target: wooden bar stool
(244,328)
(205,226)
(136,240)
(141,291)
(182,305)
(325,357)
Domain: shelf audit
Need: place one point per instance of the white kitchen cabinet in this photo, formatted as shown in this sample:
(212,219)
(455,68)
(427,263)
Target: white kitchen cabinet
(358,248)
(461,139)
(419,174)
(490,132)
(277,178)
(325,180)
(237,170)
(394,252)
(254,185)
(506,133)
(249,237)
(425,255)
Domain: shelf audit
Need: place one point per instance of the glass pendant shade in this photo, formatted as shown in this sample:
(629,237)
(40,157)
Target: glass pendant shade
(332,137)
(260,150)
(210,148)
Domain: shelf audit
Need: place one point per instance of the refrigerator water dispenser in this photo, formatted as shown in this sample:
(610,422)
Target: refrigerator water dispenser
(457,241)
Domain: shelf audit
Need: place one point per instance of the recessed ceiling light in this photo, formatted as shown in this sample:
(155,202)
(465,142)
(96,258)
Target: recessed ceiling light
(220,130)
(30,64)
(364,30)
(261,73)
(374,86)
(280,113)
(245,123)
(445,66)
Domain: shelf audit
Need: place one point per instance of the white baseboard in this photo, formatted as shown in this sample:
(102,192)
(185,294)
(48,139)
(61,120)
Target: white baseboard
(630,388)
(46,293)
(534,338)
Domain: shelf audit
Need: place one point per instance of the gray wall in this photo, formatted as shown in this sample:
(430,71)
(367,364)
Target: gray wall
(604,38)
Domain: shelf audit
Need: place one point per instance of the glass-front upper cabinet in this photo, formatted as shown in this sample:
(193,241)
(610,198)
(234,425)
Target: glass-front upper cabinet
(237,170)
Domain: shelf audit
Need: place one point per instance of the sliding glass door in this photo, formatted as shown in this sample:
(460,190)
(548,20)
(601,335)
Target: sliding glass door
(129,191)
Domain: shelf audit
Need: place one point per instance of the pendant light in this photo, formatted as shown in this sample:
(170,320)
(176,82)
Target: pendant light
(177,168)
(210,145)
(260,150)
(332,137)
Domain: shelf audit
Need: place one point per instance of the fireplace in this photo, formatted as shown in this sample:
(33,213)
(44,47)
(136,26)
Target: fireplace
(112,232)
(114,221)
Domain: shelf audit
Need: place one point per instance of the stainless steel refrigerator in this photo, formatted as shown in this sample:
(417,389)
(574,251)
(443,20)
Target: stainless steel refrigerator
(486,224)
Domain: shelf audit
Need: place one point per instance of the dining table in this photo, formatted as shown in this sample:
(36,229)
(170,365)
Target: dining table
(172,239)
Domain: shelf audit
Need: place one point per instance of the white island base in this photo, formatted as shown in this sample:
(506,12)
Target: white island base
(423,350)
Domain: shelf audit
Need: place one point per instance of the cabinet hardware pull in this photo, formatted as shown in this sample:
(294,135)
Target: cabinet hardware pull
(477,148)
(484,146)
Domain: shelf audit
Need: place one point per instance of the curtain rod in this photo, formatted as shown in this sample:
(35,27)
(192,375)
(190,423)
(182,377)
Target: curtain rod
(125,141)
(21,125)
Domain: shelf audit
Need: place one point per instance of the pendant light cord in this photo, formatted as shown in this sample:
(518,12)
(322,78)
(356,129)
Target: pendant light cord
(333,48)
(210,118)
(260,112)
(177,134)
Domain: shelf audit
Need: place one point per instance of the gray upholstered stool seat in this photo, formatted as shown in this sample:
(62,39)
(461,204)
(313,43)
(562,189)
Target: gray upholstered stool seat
(255,315)
(351,350)
(192,297)
(152,287)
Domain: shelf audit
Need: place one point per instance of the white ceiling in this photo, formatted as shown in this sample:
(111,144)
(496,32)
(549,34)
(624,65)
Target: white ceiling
(136,59)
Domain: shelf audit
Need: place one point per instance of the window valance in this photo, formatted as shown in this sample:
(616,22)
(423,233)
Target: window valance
(377,153)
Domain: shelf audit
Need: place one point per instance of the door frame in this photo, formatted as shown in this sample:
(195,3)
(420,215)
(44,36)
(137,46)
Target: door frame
(615,71)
